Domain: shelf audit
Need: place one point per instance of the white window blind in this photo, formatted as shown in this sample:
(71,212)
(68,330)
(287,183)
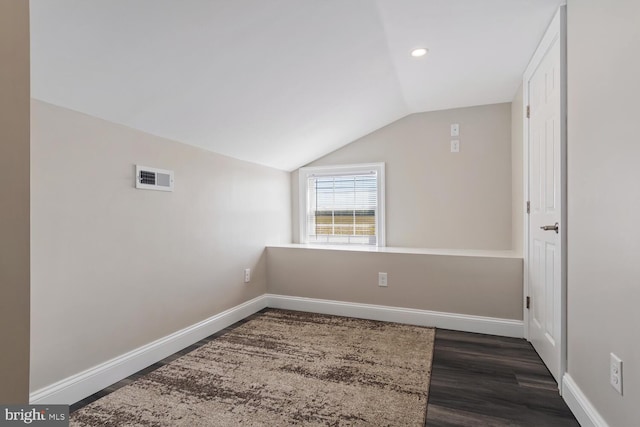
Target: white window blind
(343,205)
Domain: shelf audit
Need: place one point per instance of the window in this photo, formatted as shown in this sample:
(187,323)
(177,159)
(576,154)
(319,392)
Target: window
(342,204)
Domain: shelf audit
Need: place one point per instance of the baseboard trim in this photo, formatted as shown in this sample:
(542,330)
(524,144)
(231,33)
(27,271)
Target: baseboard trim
(458,322)
(582,409)
(79,386)
(92,380)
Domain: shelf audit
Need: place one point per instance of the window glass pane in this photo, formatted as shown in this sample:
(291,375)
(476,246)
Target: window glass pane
(342,209)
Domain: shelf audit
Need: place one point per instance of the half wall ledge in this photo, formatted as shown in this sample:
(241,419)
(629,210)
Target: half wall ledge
(465,282)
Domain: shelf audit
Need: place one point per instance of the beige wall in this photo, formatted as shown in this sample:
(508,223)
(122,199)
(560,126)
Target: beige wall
(14,201)
(603,202)
(435,198)
(476,285)
(517,198)
(114,268)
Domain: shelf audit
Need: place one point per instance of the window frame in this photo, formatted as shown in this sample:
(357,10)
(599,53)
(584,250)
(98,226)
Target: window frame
(337,170)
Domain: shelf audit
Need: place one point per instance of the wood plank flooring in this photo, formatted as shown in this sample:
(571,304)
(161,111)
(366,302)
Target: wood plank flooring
(484,380)
(477,380)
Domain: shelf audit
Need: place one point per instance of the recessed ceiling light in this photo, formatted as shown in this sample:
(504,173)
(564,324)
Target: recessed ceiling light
(421,51)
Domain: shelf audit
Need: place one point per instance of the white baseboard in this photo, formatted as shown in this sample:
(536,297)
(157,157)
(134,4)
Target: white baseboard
(458,322)
(582,409)
(84,384)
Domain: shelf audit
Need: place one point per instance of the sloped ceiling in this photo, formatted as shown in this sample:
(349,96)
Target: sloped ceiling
(278,82)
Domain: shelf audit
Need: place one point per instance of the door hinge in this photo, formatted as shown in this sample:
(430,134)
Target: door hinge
(528,302)
(528,112)
(528,207)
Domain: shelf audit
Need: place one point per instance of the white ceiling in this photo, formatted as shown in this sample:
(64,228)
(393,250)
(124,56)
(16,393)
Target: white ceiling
(278,82)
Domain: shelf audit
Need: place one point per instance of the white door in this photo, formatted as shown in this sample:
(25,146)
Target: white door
(546,226)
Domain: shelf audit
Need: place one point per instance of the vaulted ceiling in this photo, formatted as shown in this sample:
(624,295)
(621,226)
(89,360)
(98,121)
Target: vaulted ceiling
(278,82)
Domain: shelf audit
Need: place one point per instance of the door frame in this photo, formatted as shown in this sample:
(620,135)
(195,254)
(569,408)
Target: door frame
(557,28)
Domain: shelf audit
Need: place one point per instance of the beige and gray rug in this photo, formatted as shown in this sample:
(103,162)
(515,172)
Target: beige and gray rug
(283,368)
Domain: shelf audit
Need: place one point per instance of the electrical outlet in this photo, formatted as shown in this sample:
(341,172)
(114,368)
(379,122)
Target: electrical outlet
(455,145)
(615,370)
(382,279)
(247,275)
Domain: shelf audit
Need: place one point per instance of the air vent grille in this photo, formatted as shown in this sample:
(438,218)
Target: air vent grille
(153,179)
(147,177)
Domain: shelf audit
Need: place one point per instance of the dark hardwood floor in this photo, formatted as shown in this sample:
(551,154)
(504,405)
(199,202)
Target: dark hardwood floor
(477,380)
(485,380)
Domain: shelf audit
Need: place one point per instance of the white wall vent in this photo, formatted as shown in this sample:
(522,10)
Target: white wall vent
(153,179)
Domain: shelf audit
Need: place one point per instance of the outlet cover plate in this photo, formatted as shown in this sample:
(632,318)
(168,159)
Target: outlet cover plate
(616,373)
(382,280)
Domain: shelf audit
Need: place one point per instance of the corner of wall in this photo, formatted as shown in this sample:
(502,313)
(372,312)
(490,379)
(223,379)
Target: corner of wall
(295,220)
(517,173)
(15,202)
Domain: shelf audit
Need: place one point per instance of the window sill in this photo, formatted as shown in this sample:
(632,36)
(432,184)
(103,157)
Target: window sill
(399,250)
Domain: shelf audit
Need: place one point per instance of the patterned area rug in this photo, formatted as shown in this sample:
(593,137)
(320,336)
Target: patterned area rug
(283,368)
